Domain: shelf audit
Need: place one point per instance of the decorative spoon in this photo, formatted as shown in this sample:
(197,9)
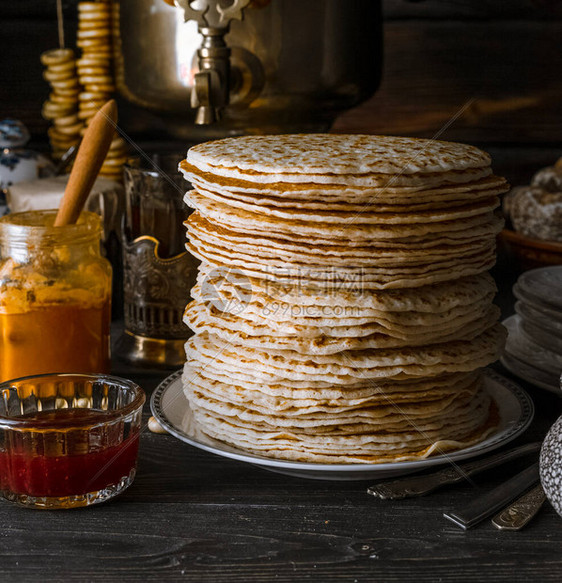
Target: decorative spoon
(522,511)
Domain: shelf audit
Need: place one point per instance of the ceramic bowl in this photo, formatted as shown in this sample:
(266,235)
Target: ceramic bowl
(530,252)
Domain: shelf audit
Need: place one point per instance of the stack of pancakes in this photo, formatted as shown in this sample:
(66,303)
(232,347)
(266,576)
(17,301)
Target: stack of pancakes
(343,310)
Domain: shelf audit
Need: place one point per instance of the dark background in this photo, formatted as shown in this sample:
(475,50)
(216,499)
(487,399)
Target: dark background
(499,60)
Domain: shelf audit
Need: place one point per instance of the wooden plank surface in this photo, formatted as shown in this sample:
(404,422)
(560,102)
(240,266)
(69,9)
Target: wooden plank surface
(498,77)
(493,81)
(44,9)
(196,517)
(393,9)
(472,9)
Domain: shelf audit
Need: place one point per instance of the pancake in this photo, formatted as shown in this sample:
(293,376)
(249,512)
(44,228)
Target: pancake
(343,310)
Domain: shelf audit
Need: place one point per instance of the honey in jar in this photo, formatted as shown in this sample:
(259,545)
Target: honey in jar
(55,294)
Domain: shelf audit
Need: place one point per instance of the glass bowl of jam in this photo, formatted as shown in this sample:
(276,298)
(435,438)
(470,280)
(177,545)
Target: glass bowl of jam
(68,440)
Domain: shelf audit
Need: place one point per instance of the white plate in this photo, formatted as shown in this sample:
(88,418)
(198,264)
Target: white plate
(544,284)
(536,303)
(170,406)
(532,375)
(522,347)
(550,320)
(541,336)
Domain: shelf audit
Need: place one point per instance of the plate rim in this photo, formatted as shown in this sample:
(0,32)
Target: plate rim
(507,359)
(523,285)
(514,429)
(537,315)
(516,320)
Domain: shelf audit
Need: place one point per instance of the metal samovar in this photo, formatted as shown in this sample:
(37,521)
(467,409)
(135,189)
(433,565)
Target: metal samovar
(210,68)
(205,69)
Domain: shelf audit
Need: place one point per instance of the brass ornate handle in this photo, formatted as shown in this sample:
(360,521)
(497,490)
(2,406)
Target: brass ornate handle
(522,511)
(211,14)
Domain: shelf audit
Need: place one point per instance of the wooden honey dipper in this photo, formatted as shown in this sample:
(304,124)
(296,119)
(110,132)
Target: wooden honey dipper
(89,159)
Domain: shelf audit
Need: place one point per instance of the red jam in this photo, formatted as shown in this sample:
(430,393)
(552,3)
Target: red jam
(76,455)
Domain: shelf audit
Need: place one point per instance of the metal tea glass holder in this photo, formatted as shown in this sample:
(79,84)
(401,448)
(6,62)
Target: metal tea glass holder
(157,271)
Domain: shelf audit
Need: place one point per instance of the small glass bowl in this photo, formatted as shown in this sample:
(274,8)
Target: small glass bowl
(68,440)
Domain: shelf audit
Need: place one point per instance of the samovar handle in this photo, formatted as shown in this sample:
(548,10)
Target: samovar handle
(211,85)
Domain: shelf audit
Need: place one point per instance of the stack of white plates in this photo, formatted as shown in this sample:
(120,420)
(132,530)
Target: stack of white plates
(534,345)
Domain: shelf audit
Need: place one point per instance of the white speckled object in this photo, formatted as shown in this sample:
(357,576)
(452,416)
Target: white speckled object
(551,466)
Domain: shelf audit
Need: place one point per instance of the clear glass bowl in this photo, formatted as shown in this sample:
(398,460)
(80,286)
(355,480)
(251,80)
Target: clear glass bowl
(68,440)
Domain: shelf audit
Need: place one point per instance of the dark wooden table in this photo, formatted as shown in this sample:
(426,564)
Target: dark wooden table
(194,516)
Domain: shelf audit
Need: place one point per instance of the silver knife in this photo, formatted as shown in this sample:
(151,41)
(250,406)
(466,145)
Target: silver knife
(492,501)
(419,485)
(521,512)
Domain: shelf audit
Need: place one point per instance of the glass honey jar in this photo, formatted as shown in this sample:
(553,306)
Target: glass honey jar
(55,296)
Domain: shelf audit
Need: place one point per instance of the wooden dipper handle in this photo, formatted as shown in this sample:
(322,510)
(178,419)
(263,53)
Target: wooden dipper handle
(89,159)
